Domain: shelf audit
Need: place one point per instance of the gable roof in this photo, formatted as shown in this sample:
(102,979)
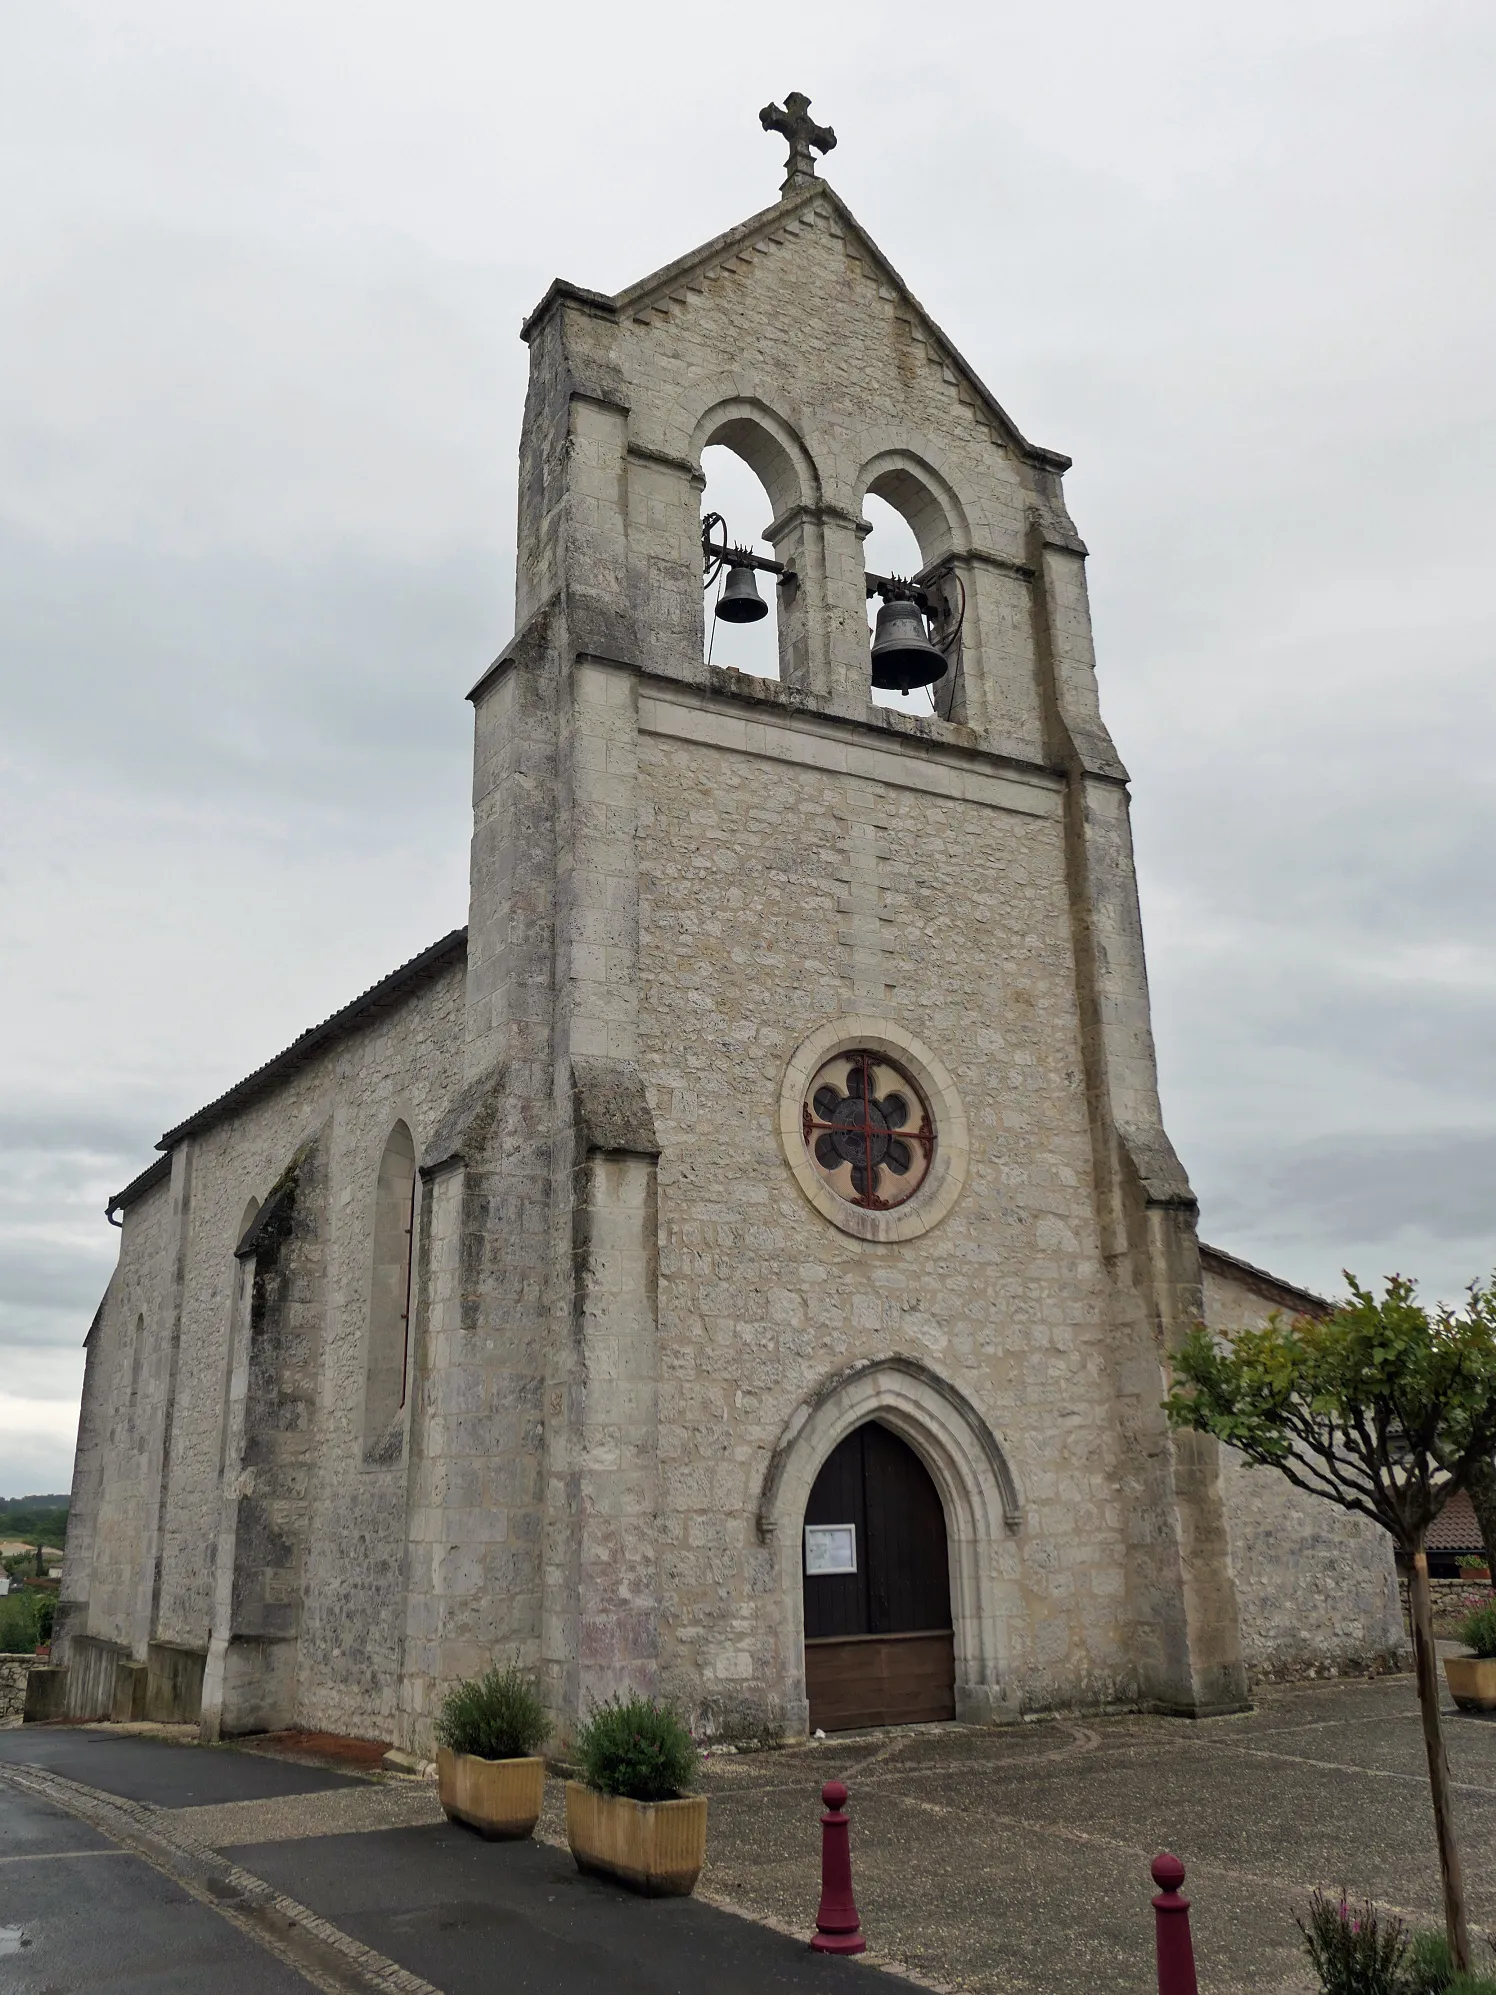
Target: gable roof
(655,293)
(371,1005)
(1272,1288)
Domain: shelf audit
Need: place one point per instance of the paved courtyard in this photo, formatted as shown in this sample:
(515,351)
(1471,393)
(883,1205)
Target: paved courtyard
(1012,1860)
(1017,1860)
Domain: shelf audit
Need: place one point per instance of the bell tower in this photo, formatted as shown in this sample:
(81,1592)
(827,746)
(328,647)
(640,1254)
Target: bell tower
(810,1076)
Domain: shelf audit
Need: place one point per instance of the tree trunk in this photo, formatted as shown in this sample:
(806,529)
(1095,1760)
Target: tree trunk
(1426,1663)
(1482,1488)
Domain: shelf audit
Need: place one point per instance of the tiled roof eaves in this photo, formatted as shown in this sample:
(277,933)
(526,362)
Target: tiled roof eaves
(1456,1528)
(1272,1288)
(379,998)
(150,1177)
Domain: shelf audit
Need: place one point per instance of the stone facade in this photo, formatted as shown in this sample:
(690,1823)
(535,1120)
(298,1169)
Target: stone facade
(634,1326)
(1316,1587)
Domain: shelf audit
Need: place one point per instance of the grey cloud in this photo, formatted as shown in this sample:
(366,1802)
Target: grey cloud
(302,678)
(1439,1184)
(46,1280)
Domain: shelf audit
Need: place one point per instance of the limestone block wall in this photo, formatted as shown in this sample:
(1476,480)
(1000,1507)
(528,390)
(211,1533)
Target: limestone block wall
(748,861)
(403,1065)
(107,1528)
(1317,1586)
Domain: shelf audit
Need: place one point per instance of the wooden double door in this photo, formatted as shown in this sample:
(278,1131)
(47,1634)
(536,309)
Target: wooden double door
(878,1642)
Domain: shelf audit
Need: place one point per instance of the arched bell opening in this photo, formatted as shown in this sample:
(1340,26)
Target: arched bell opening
(892,549)
(875,1561)
(742,620)
(915,525)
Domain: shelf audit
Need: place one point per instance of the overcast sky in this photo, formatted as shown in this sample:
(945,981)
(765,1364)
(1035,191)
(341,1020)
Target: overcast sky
(260,387)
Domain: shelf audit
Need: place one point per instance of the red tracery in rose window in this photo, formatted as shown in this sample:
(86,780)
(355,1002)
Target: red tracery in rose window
(874,1148)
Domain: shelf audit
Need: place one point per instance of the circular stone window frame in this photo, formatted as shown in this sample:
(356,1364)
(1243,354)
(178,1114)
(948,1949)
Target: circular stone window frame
(946,1178)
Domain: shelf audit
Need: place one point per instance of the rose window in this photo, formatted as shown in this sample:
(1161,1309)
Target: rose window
(868,1130)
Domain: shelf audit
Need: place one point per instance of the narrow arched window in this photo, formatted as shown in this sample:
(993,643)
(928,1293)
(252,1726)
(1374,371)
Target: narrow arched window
(251,1214)
(239,1283)
(390,1295)
(137,1359)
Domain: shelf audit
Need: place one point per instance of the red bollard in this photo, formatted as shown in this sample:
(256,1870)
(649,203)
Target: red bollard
(838,1929)
(1171,1916)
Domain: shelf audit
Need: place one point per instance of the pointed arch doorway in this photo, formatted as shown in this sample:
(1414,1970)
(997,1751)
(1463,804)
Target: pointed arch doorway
(879,1648)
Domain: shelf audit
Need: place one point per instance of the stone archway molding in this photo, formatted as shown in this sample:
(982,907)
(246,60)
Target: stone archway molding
(977,1490)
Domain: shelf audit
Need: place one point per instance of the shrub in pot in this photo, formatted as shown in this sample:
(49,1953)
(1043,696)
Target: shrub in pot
(1472,1679)
(488,1774)
(630,1818)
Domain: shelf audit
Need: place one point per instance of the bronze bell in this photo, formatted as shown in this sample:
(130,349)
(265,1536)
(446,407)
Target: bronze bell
(740,601)
(903,656)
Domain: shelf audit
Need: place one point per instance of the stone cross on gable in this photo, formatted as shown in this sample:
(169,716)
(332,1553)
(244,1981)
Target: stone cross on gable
(802,131)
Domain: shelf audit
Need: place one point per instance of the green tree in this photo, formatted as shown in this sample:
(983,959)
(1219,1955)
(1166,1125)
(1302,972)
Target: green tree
(1382,1407)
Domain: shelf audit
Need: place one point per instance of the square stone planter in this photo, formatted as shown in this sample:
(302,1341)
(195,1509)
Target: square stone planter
(1472,1681)
(500,1798)
(657,1847)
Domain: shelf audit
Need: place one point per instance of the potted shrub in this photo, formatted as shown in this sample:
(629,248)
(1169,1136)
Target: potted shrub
(1476,1571)
(629,1818)
(1472,1679)
(487,1773)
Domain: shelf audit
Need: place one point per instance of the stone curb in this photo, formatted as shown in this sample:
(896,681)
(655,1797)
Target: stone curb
(320,1952)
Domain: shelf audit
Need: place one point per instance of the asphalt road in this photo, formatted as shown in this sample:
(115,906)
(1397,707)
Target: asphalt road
(77,1912)
(113,1876)
(470,1916)
(164,1775)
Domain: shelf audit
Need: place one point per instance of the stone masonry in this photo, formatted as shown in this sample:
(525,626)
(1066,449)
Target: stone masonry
(634,1323)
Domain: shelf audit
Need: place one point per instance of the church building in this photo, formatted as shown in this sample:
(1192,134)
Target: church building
(742,1264)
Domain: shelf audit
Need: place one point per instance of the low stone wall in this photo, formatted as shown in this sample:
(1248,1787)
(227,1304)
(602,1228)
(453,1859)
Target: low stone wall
(14,1671)
(1452,1600)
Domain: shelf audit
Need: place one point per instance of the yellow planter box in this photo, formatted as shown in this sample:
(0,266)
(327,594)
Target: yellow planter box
(657,1847)
(1472,1681)
(497,1797)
